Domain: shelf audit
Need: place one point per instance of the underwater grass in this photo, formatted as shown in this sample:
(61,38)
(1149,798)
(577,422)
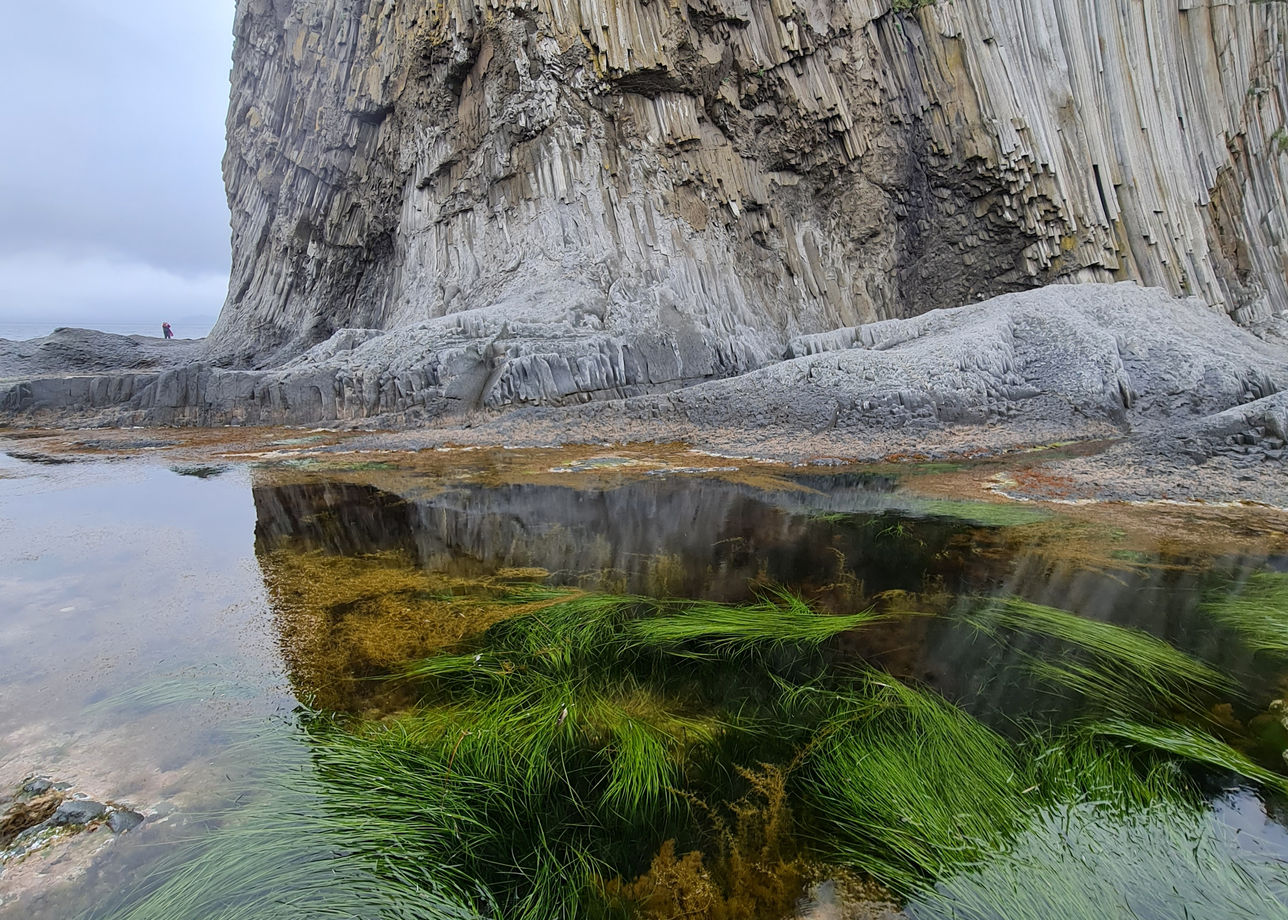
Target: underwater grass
(1130,668)
(565,635)
(555,755)
(984,514)
(776,618)
(587,631)
(600,712)
(1257,610)
(906,786)
(171,690)
(1075,766)
(507,827)
(305,847)
(1193,746)
(380,823)
(1114,690)
(1075,861)
(912,787)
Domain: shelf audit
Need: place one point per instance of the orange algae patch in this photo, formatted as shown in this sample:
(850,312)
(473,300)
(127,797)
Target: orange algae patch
(344,622)
(752,867)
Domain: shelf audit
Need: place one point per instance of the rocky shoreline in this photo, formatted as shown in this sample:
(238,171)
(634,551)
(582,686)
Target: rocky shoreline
(1196,405)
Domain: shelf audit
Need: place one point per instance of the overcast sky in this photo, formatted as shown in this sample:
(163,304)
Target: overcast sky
(112,205)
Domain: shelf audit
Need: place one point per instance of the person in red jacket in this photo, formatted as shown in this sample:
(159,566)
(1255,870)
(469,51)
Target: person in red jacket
(165,330)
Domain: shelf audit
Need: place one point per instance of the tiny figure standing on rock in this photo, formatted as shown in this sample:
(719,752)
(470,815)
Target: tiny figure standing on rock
(166,331)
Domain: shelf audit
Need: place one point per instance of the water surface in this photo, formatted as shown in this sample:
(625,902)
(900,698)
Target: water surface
(163,625)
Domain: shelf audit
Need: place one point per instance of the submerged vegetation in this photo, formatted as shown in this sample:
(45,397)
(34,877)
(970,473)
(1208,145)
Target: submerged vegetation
(1080,861)
(985,514)
(909,785)
(614,756)
(1257,611)
(1122,669)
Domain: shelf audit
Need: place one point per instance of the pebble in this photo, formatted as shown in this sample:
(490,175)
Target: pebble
(76,811)
(124,820)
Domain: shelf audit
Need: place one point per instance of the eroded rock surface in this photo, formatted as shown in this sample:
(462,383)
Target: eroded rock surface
(88,351)
(1057,363)
(641,193)
(753,215)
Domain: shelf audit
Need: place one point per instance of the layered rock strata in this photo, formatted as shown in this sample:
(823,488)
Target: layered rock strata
(606,197)
(1054,363)
(1060,362)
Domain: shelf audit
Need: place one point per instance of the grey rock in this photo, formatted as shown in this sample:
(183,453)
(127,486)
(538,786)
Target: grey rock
(38,786)
(30,834)
(1057,362)
(87,351)
(75,812)
(686,188)
(122,820)
(1077,359)
(629,213)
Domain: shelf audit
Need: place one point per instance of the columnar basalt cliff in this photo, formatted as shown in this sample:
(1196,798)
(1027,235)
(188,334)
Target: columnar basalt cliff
(605,197)
(446,208)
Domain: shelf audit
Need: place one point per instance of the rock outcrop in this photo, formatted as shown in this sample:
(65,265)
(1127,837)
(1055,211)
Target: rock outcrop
(1064,361)
(1055,363)
(601,197)
(734,213)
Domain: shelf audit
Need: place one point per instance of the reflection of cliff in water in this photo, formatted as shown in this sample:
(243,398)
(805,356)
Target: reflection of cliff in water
(839,542)
(683,536)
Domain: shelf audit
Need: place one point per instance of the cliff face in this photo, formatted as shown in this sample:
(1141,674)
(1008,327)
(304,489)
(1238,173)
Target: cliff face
(605,197)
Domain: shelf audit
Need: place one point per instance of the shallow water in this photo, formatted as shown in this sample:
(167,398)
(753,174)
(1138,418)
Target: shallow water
(158,628)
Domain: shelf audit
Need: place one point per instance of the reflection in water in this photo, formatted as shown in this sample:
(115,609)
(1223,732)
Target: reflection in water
(567,729)
(341,558)
(683,536)
(344,561)
(364,580)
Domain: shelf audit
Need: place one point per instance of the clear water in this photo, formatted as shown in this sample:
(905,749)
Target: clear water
(153,645)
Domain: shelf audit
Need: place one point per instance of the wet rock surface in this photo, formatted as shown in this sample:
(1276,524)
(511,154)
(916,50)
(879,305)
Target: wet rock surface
(124,820)
(77,811)
(41,807)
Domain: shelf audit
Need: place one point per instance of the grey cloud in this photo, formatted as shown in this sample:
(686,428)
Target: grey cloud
(73,290)
(114,124)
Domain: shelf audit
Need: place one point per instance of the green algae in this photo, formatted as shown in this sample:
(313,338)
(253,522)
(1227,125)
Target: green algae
(1256,610)
(982,513)
(569,758)
(1113,665)
(540,751)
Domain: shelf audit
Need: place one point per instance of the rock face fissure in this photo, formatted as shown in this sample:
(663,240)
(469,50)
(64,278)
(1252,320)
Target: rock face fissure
(585,198)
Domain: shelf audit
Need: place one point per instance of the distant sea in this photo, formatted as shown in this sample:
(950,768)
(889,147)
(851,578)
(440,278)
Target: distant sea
(191,328)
